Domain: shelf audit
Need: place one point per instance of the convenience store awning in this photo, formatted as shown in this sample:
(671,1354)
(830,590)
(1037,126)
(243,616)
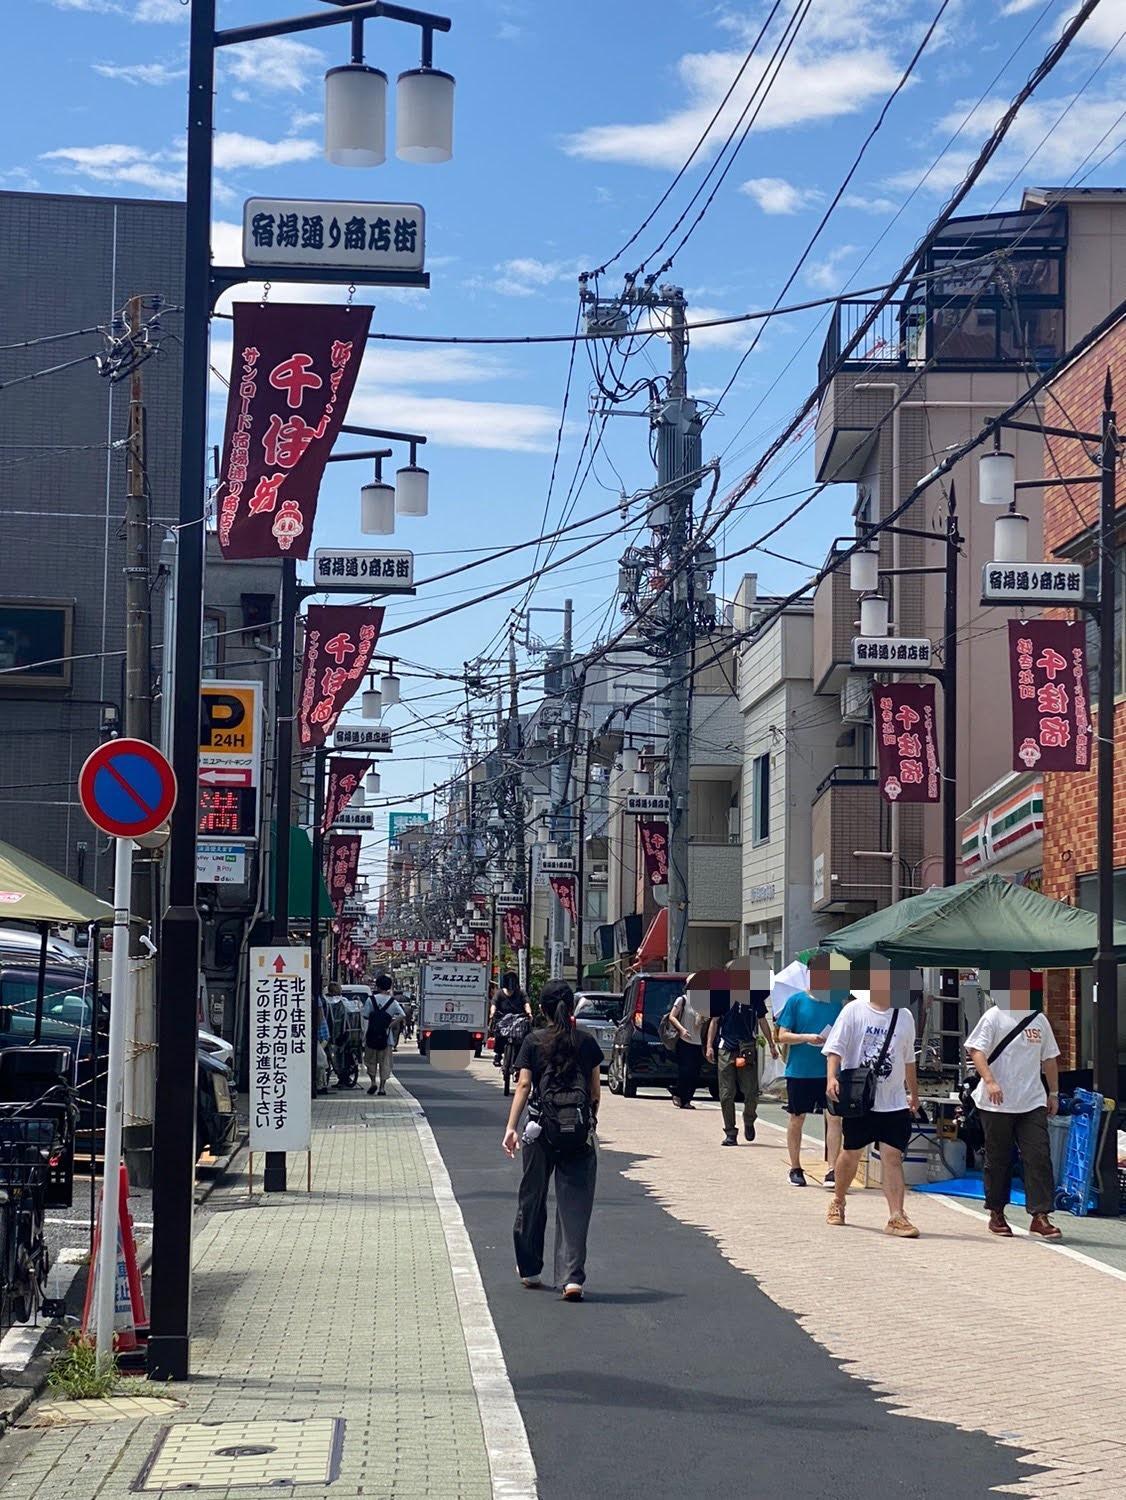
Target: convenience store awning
(300,880)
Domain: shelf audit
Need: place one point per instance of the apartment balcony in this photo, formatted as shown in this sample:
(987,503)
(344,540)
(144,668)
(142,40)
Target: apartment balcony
(849,822)
(835,612)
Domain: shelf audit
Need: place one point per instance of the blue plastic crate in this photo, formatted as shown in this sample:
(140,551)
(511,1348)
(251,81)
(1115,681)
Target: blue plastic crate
(1074,1192)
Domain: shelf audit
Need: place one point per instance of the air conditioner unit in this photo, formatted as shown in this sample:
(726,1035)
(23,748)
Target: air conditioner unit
(856,700)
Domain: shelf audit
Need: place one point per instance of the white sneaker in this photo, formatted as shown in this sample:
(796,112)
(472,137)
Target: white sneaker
(572,1292)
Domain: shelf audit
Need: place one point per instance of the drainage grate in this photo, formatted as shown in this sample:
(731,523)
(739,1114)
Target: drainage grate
(244,1455)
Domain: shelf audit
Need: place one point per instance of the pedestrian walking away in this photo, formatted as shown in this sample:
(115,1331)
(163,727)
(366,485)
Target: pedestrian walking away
(689,1027)
(802,1025)
(732,1045)
(559,1070)
(1014,1049)
(382,1018)
(873,1085)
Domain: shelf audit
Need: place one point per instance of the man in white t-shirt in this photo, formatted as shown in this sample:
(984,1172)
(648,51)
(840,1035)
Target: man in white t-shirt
(857,1040)
(382,1018)
(1011,1098)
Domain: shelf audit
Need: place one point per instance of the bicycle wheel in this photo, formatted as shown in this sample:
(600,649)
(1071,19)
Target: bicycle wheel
(506,1068)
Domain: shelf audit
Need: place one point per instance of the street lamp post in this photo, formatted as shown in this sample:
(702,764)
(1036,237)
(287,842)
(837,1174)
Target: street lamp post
(1102,609)
(424,97)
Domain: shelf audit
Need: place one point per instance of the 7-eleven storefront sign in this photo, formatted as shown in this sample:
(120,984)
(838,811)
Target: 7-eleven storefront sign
(1006,831)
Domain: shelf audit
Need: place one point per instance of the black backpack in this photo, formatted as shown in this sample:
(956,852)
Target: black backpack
(565,1113)
(379,1027)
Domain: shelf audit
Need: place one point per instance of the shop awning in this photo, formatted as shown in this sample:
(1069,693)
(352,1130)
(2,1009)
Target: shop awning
(31,891)
(983,923)
(300,879)
(654,946)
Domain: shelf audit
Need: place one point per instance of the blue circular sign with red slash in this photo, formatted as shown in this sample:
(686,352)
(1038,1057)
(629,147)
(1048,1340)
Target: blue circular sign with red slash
(126,788)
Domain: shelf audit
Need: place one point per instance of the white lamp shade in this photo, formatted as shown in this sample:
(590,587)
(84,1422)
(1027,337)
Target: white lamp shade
(412,490)
(1010,539)
(553,851)
(377,508)
(389,687)
(355,116)
(542,835)
(630,759)
(874,615)
(641,783)
(996,476)
(372,783)
(371,704)
(424,116)
(864,572)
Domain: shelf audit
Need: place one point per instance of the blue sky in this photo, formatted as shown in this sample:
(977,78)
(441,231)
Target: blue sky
(570,122)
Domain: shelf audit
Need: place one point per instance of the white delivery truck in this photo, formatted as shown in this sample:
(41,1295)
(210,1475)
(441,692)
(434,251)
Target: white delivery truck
(453,1010)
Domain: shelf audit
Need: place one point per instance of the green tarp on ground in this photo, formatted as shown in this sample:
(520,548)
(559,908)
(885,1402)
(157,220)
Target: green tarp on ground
(32,892)
(300,876)
(983,923)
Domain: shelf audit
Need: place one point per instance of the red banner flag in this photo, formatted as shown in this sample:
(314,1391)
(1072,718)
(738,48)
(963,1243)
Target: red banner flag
(564,888)
(344,776)
(481,945)
(1051,711)
(655,847)
(906,741)
(343,862)
(514,930)
(293,368)
(340,641)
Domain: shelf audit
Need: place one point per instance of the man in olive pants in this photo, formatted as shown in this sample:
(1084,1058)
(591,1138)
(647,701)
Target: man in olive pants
(732,1046)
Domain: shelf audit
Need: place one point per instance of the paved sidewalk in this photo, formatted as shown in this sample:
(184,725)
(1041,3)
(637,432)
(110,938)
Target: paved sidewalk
(1013,1338)
(346,1304)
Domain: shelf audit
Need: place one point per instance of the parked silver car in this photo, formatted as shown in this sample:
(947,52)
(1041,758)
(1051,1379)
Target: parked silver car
(600,1014)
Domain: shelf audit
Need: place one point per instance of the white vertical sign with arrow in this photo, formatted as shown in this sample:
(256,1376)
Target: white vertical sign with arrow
(283,1033)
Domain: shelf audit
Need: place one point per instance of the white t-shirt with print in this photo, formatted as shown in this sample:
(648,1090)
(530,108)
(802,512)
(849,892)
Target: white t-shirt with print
(1018,1068)
(857,1037)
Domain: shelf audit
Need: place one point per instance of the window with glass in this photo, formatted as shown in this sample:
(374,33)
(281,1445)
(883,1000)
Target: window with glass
(760,798)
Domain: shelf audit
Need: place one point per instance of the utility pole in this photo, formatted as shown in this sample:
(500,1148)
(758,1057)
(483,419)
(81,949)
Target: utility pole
(669,621)
(140,1066)
(677,458)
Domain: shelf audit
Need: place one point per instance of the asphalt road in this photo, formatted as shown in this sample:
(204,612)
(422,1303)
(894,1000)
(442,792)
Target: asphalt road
(677,1376)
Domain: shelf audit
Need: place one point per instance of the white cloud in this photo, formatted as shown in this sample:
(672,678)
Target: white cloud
(835,68)
(97,7)
(277,64)
(1017,7)
(826,274)
(233,150)
(870,204)
(722,336)
(1044,145)
(160,10)
(162,171)
(155,74)
(526,276)
(774,195)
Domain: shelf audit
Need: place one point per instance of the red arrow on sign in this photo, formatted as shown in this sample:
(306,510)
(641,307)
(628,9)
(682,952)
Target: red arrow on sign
(279,965)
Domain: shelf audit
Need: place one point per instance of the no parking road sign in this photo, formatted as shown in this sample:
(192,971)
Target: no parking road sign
(126,788)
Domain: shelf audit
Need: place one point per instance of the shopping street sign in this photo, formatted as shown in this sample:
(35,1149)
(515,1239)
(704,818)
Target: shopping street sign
(363,571)
(360,237)
(891,653)
(1032,583)
(375,741)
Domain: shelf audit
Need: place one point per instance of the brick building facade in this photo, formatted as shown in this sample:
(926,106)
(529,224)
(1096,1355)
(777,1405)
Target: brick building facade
(1070,800)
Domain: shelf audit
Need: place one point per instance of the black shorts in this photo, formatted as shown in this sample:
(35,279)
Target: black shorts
(805,1096)
(890,1127)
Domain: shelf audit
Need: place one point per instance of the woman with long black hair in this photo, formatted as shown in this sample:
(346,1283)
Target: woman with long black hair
(559,1070)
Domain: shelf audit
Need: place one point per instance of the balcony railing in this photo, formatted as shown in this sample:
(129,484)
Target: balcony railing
(848,776)
(883,343)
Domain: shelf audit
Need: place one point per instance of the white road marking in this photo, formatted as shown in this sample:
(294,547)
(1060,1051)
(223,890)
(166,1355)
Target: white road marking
(511,1465)
(22,1340)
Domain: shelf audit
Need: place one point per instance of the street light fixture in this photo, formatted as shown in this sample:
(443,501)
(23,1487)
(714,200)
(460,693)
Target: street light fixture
(372,783)
(371,704)
(412,489)
(873,615)
(864,570)
(389,687)
(996,477)
(356,115)
(377,505)
(424,112)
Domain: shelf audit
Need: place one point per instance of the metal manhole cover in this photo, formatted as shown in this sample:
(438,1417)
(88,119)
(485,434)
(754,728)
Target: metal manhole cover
(244,1455)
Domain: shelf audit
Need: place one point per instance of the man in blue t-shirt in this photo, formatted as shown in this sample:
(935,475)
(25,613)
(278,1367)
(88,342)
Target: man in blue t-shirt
(803,1023)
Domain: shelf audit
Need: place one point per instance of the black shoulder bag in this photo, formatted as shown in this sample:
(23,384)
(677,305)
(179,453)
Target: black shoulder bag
(857,1092)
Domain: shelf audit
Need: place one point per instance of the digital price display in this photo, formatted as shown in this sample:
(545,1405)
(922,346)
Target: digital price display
(227,812)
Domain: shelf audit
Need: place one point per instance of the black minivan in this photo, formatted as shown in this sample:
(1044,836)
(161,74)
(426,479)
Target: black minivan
(638,1059)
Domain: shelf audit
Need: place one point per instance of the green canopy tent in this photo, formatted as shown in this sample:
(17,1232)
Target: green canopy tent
(983,923)
(32,892)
